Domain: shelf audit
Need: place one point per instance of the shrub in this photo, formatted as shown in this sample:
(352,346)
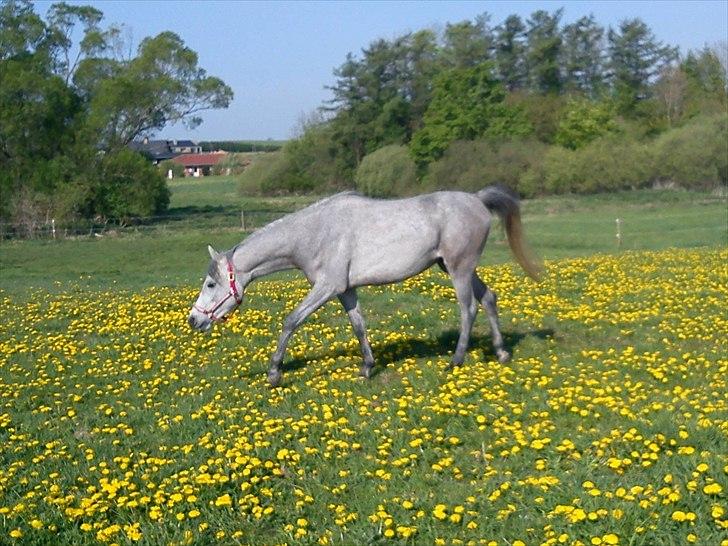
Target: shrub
(178,171)
(694,156)
(128,185)
(583,122)
(386,172)
(607,164)
(472,165)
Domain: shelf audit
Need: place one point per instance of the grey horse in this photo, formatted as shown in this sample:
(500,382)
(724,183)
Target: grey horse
(347,240)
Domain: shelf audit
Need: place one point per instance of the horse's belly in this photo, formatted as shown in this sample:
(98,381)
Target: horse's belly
(391,259)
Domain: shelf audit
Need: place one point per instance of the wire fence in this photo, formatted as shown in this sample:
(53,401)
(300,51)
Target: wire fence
(250,220)
(244,221)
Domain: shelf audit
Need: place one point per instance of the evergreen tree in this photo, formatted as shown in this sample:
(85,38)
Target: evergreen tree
(635,58)
(582,56)
(543,51)
(468,43)
(509,53)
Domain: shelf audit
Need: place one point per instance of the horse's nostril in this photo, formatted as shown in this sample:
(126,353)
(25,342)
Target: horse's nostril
(192,322)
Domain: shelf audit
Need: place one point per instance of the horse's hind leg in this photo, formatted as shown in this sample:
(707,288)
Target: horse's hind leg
(318,295)
(351,303)
(468,309)
(488,299)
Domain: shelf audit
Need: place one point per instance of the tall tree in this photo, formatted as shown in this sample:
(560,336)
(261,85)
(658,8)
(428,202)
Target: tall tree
(510,53)
(582,56)
(543,51)
(467,103)
(635,58)
(468,43)
(67,111)
(161,86)
(381,98)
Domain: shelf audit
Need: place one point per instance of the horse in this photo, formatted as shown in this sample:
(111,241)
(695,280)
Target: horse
(348,240)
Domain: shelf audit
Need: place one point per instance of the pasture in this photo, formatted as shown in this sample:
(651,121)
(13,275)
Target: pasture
(609,426)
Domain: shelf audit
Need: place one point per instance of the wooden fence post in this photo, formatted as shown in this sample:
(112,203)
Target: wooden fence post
(242,219)
(619,233)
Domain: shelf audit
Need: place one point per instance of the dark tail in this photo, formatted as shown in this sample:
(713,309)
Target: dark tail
(500,200)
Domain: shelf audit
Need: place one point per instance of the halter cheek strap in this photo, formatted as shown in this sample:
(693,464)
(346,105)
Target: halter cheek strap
(233,293)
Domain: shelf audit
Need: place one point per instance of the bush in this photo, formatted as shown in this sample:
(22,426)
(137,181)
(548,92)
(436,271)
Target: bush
(178,170)
(128,185)
(694,156)
(472,165)
(606,164)
(304,165)
(583,122)
(387,172)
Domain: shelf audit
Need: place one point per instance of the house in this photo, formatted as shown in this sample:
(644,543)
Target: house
(184,147)
(199,164)
(162,150)
(154,150)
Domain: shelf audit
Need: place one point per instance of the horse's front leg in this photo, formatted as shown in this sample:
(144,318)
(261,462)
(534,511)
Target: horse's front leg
(351,303)
(318,295)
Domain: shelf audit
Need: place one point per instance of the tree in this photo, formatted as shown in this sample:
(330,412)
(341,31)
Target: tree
(635,58)
(543,51)
(467,103)
(380,98)
(162,85)
(67,111)
(582,56)
(585,121)
(468,43)
(509,53)
(670,92)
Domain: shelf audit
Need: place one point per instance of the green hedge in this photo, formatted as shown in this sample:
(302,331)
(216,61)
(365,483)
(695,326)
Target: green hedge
(387,172)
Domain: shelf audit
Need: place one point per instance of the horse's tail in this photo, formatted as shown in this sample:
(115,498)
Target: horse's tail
(504,203)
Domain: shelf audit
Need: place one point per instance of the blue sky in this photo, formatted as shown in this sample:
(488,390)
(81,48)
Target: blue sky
(279,56)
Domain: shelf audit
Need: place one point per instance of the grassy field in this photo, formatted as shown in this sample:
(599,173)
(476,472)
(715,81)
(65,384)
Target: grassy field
(610,425)
(558,227)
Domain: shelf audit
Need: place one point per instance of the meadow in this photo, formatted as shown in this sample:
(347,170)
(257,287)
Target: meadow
(119,425)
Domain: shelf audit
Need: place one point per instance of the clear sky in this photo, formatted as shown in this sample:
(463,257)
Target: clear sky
(279,56)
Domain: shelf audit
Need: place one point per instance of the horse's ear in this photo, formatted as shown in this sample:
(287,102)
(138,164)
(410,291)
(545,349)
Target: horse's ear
(212,251)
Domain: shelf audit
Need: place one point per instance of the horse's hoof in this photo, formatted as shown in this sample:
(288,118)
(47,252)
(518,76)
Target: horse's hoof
(503,356)
(274,377)
(366,372)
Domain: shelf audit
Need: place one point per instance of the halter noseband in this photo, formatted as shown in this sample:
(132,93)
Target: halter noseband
(232,294)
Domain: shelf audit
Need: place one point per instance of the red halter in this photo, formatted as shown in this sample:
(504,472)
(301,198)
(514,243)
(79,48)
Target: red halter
(232,294)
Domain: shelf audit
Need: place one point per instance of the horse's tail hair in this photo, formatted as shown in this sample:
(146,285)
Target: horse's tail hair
(504,203)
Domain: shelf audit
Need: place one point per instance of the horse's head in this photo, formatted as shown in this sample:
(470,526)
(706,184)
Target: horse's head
(220,295)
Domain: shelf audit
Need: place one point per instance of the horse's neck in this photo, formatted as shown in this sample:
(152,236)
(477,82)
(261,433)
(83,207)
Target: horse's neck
(265,252)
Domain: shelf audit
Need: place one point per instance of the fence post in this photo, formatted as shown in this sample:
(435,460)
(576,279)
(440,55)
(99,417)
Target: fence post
(242,219)
(619,233)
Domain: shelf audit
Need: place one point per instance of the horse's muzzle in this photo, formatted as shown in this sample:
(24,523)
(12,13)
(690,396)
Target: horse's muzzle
(202,325)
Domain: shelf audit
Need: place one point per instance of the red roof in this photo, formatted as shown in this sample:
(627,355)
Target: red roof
(199,160)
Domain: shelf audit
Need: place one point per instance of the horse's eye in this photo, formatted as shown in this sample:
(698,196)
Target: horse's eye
(210,285)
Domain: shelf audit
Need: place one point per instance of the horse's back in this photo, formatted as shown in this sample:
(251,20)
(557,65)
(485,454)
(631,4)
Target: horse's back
(382,241)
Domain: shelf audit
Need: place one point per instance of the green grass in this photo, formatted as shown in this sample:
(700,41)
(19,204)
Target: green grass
(176,255)
(116,415)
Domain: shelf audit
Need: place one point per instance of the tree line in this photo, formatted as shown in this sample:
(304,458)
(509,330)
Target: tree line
(522,101)
(68,111)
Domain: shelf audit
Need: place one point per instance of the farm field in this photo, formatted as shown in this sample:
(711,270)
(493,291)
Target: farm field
(175,255)
(610,425)
(119,425)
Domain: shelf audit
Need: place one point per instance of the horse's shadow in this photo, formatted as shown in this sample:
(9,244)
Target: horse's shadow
(441,346)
